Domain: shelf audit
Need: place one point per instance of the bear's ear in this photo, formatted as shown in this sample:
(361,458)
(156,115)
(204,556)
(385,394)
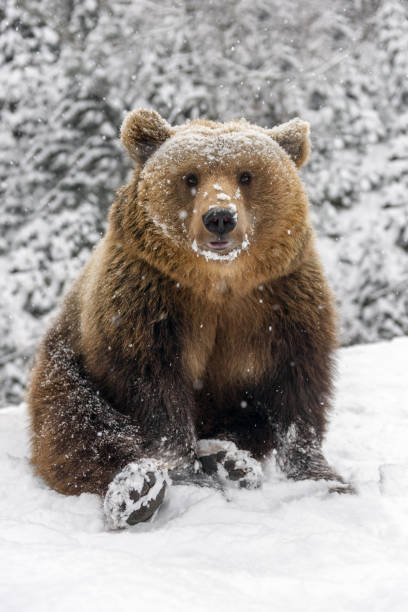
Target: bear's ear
(293,137)
(142,132)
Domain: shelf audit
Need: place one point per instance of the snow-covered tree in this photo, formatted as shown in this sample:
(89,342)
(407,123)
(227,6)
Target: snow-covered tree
(69,71)
(392,29)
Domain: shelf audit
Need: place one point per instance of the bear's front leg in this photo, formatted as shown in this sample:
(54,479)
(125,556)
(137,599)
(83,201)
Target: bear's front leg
(298,397)
(81,443)
(285,412)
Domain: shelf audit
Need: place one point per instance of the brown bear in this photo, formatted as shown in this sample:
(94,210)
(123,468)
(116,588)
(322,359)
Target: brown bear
(199,338)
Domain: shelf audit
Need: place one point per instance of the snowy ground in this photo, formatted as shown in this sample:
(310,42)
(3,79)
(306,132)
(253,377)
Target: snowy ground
(287,547)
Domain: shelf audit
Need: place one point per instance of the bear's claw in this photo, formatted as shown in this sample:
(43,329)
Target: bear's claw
(135,494)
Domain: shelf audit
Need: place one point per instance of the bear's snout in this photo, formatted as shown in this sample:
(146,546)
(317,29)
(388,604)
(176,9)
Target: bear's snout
(220,221)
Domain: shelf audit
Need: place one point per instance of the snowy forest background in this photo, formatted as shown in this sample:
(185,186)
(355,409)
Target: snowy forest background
(71,69)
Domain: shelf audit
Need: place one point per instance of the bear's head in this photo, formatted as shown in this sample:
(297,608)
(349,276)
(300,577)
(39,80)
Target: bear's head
(215,204)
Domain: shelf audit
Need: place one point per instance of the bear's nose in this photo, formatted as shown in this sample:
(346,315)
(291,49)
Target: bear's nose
(220,221)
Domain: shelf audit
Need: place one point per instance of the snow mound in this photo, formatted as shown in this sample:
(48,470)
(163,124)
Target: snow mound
(288,546)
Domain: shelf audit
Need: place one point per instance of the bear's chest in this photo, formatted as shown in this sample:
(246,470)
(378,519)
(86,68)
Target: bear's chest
(227,347)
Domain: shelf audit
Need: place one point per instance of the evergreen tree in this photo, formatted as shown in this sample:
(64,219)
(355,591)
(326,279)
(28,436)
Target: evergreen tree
(392,29)
(69,71)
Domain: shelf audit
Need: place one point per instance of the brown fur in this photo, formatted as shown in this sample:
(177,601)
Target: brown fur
(156,347)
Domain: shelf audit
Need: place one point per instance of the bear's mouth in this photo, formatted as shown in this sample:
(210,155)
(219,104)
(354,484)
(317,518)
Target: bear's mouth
(219,245)
(221,250)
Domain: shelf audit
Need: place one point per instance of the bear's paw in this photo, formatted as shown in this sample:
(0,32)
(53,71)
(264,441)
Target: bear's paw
(230,462)
(135,494)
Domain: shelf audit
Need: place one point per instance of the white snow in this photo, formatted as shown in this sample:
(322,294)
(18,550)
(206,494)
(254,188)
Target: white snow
(286,547)
(231,206)
(211,447)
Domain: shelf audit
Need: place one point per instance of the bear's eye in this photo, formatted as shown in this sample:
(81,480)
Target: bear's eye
(245,178)
(192,180)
